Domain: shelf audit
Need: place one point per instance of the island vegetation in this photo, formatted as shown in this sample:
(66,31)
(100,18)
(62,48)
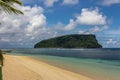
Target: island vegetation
(70,41)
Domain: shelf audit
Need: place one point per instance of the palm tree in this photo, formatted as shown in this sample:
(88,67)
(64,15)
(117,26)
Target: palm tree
(8,6)
(1,58)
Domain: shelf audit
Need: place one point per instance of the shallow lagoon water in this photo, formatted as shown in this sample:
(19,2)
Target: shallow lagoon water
(99,64)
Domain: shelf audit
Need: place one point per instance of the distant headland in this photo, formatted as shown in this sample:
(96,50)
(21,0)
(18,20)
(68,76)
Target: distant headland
(70,41)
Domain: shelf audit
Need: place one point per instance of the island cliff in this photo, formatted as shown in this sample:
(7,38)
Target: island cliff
(70,41)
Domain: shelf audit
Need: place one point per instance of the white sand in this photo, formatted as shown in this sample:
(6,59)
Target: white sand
(25,68)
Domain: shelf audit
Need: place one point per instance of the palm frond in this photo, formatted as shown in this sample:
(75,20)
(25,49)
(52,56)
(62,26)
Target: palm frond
(9,9)
(12,1)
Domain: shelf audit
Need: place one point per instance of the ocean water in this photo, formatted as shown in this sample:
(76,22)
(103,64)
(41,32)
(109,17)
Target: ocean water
(99,64)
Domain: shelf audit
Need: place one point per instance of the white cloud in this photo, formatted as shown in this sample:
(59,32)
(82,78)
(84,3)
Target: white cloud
(93,30)
(70,2)
(111,41)
(33,17)
(24,30)
(91,17)
(83,32)
(49,3)
(98,29)
(36,22)
(70,26)
(59,26)
(110,2)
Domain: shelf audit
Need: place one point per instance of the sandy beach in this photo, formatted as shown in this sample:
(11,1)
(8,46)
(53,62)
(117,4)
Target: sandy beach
(26,68)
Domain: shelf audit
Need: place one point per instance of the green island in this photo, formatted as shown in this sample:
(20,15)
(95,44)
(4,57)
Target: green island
(70,41)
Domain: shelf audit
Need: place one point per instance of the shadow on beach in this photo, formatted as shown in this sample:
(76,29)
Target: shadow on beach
(0,73)
(1,64)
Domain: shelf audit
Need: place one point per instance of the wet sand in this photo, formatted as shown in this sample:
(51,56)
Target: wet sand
(26,68)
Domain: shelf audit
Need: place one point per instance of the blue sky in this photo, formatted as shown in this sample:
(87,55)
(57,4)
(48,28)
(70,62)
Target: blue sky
(45,19)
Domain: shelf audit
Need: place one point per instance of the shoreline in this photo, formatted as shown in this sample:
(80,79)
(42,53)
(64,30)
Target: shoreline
(27,68)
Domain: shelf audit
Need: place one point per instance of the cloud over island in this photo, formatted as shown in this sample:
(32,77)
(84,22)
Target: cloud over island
(44,19)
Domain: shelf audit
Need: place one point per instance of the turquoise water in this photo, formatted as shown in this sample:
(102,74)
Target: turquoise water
(106,67)
(104,70)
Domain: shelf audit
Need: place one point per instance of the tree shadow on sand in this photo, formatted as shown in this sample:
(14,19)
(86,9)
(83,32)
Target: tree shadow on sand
(1,64)
(0,73)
